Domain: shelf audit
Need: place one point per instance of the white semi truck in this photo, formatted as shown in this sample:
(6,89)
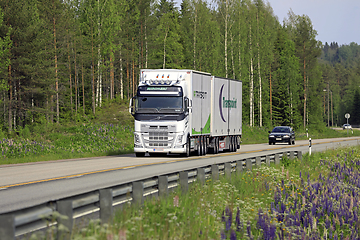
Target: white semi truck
(184,111)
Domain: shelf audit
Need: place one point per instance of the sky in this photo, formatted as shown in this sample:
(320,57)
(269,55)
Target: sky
(334,20)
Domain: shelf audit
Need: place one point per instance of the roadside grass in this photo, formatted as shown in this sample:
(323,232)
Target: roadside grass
(316,198)
(253,135)
(108,133)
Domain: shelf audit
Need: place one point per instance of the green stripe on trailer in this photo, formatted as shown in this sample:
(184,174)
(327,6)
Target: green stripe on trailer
(205,130)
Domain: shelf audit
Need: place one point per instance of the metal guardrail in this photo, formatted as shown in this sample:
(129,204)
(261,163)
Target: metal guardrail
(15,225)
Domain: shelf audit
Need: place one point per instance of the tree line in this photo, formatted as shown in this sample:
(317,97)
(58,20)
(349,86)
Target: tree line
(60,60)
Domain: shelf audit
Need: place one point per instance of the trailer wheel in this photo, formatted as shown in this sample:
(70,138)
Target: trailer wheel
(231,144)
(205,146)
(199,146)
(234,144)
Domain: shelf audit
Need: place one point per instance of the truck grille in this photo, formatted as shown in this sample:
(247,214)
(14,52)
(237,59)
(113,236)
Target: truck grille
(158,139)
(158,136)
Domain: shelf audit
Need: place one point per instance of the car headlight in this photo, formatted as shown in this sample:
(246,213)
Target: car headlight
(286,136)
(271,136)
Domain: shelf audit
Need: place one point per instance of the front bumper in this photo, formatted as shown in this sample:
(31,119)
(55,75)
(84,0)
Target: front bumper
(279,139)
(160,150)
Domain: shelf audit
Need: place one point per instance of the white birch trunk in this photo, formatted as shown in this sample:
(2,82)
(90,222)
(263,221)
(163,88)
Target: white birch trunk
(239,48)
(226,31)
(99,81)
(260,84)
(232,55)
(146,45)
(195,22)
(251,84)
(121,77)
(260,90)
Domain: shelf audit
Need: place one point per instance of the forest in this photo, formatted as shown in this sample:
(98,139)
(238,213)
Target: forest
(60,61)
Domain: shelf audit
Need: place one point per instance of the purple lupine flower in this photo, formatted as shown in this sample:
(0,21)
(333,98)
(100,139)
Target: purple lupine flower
(223,217)
(248,229)
(232,235)
(222,234)
(237,220)
(327,223)
(229,220)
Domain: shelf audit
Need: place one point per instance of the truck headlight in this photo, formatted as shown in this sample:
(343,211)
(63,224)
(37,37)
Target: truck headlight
(179,139)
(137,141)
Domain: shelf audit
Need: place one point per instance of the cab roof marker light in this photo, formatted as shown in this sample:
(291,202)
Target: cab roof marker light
(168,76)
(157,76)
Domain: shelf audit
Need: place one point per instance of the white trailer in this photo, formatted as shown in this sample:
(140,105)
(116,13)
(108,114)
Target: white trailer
(184,111)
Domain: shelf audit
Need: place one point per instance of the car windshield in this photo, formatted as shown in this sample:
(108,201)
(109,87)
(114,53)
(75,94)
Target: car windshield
(281,130)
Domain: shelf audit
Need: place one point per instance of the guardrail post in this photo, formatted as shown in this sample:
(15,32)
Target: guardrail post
(215,172)
(138,192)
(201,175)
(299,155)
(239,167)
(248,164)
(228,170)
(267,160)
(163,183)
(258,161)
(64,208)
(7,226)
(277,158)
(106,200)
(292,155)
(184,181)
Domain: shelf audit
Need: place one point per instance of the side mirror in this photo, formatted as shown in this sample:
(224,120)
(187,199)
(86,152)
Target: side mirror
(131,106)
(269,131)
(187,103)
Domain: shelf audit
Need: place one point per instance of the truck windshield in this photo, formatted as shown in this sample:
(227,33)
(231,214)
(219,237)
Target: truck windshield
(159,104)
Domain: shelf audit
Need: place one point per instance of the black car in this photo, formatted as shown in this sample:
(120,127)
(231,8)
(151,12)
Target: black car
(282,134)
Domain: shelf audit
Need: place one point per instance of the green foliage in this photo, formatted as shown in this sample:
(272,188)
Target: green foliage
(227,207)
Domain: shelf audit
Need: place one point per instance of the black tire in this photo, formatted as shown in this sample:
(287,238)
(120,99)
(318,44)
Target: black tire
(205,148)
(139,154)
(216,146)
(235,144)
(232,144)
(290,142)
(187,153)
(199,147)
(293,143)
(269,143)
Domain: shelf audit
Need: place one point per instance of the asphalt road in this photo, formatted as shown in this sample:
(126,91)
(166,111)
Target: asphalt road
(25,185)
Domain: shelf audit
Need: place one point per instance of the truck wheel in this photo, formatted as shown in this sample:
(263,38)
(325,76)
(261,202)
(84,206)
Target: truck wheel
(139,154)
(235,144)
(204,146)
(187,153)
(199,146)
(216,146)
(231,144)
